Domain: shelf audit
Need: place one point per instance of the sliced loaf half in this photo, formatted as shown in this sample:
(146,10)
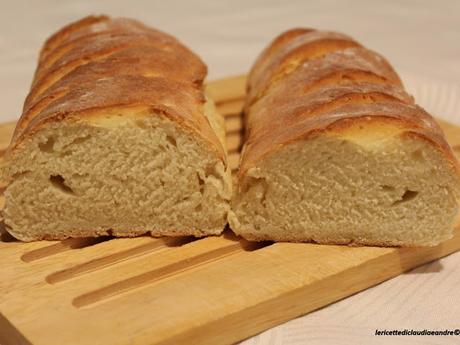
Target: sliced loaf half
(117,137)
(337,152)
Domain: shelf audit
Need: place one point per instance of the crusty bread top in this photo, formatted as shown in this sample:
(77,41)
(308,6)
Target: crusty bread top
(307,82)
(98,64)
(287,54)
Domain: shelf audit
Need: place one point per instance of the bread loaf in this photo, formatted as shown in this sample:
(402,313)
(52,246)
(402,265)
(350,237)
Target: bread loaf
(337,152)
(117,137)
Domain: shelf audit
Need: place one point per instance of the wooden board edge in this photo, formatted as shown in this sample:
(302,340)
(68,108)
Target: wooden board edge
(10,335)
(299,302)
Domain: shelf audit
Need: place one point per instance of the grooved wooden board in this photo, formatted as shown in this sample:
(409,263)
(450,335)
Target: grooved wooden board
(215,290)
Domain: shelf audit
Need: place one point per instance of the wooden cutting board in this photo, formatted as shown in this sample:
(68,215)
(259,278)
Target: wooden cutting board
(216,290)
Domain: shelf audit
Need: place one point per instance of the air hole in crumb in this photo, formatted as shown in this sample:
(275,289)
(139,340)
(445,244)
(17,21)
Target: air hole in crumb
(80,140)
(20,174)
(171,140)
(65,153)
(417,155)
(258,186)
(47,146)
(59,182)
(211,171)
(141,124)
(198,208)
(407,196)
(201,183)
(387,188)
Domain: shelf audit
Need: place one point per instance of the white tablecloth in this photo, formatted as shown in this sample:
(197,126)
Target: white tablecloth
(420,38)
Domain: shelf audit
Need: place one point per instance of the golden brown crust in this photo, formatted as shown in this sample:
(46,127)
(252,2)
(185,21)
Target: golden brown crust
(312,105)
(100,63)
(409,117)
(91,42)
(130,58)
(325,92)
(293,53)
(57,38)
(350,64)
(279,41)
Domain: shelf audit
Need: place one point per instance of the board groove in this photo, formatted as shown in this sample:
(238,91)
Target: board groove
(62,246)
(111,259)
(172,270)
(182,290)
(234,125)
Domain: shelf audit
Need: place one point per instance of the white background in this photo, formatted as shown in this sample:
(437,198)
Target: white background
(420,38)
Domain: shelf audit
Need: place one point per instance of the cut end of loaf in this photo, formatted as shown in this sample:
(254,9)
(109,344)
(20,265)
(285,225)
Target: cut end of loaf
(345,187)
(123,175)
